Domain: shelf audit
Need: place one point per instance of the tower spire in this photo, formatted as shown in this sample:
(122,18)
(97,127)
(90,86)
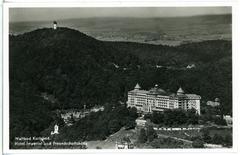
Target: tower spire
(180,91)
(137,87)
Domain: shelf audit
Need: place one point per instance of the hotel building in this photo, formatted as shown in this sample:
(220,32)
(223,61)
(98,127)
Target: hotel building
(156,99)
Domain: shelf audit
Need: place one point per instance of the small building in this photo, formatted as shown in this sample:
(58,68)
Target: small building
(228,119)
(140,122)
(55,131)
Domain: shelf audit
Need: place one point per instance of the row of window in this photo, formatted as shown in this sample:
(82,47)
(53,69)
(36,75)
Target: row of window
(161,106)
(164,103)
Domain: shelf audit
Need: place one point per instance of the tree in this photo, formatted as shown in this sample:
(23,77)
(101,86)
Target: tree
(60,122)
(157,117)
(157,143)
(220,121)
(130,123)
(174,117)
(133,112)
(198,143)
(206,137)
(151,133)
(113,126)
(148,116)
(142,138)
(217,139)
(166,143)
(192,116)
(72,120)
(228,140)
(193,138)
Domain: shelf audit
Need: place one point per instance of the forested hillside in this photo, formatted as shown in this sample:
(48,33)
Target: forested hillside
(76,69)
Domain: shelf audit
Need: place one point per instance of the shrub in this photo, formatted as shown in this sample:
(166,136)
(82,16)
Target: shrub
(142,138)
(198,143)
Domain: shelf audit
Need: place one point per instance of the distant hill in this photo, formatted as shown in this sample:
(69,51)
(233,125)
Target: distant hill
(77,69)
(202,52)
(167,31)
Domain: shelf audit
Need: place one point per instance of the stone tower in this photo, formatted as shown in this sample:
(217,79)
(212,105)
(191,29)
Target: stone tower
(54,25)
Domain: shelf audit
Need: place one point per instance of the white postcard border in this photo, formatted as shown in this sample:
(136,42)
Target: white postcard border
(235,61)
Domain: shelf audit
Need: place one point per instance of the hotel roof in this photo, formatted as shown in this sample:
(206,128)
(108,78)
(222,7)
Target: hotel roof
(139,91)
(158,91)
(137,86)
(180,90)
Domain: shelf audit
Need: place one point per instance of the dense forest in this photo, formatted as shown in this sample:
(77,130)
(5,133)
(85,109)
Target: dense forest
(78,70)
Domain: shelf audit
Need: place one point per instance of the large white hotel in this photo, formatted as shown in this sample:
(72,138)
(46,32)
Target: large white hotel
(156,99)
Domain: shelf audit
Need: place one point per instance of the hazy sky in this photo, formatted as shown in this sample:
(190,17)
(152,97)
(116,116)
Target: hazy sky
(46,14)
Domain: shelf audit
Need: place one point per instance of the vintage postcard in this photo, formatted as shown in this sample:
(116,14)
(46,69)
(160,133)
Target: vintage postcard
(110,78)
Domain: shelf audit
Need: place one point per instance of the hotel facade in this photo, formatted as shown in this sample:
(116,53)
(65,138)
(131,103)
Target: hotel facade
(156,99)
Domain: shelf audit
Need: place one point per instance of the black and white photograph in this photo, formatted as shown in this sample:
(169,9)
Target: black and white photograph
(120,78)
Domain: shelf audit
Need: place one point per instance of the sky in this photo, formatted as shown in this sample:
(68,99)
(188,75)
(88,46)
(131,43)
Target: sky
(48,14)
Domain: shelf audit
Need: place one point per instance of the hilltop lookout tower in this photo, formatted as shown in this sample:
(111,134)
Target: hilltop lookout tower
(54,25)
